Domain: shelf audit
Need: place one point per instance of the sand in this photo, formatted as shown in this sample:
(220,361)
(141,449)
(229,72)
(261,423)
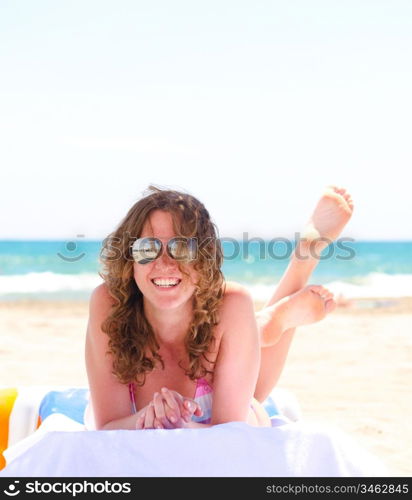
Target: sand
(353,369)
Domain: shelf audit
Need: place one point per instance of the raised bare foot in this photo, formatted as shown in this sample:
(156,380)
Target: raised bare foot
(308,305)
(331,214)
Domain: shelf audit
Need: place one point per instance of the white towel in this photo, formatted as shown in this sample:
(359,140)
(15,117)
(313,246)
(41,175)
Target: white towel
(288,449)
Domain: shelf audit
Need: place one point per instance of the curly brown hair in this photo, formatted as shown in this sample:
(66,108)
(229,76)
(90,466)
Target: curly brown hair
(130,334)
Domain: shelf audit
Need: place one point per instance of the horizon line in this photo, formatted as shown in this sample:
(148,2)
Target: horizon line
(97,240)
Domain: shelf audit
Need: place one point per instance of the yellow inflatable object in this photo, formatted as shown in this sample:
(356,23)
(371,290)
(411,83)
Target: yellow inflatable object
(19,414)
(7,399)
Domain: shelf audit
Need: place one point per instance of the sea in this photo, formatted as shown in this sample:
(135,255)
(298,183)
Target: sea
(68,270)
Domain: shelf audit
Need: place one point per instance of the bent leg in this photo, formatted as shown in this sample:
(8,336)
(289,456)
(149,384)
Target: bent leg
(331,214)
(273,357)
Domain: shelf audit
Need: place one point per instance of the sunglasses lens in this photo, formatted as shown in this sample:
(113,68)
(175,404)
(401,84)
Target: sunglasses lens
(182,248)
(146,250)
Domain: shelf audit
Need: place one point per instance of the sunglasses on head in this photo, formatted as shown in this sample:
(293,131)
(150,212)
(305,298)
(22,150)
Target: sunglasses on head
(145,250)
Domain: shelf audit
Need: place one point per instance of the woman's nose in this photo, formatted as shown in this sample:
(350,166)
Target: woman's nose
(165,261)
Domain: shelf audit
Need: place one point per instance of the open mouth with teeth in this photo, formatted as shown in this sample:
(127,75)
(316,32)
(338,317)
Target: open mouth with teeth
(166,282)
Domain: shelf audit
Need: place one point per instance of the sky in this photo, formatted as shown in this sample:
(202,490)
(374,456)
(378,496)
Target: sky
(252,107)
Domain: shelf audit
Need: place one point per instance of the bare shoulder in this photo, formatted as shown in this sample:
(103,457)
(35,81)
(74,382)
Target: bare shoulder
(100,304)
(233,286)
(236,300)
(100,300)
(101,295)
(235,291)
(109,397)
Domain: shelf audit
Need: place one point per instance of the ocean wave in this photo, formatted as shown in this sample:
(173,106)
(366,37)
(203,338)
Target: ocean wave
(72,285)
(373,285)
(47,283)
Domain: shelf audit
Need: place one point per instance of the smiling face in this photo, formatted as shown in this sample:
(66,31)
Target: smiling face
(161,282)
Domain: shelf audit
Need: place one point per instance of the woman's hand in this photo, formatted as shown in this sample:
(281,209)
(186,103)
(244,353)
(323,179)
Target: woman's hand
(178,409)
(168,410)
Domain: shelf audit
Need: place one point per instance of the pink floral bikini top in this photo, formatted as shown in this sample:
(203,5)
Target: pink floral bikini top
(203,397)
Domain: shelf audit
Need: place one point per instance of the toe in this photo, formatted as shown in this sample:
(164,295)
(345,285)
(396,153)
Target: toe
(332,189)
(340,190)
(348,197)
(330,305)
(316,289)
(321,291)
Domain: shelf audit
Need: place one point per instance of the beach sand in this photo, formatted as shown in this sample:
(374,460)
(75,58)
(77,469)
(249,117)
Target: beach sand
(353,369)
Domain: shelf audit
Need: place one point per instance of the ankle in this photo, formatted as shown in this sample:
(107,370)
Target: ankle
(309,251)
(270,325)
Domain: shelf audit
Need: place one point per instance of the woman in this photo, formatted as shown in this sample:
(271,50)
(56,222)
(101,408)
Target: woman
(169,343)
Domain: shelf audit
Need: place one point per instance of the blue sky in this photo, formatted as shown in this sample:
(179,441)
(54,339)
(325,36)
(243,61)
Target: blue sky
(253,107)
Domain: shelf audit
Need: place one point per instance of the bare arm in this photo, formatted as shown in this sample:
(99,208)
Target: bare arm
(109,398)
(238,360)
